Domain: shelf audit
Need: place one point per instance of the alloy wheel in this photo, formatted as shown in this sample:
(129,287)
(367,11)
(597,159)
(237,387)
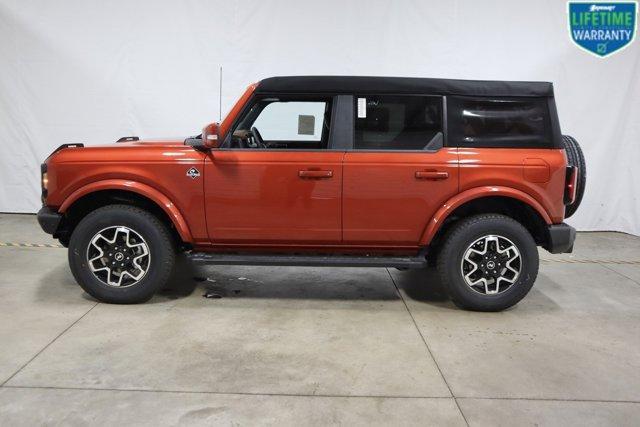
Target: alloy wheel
(118,256)
(491,264)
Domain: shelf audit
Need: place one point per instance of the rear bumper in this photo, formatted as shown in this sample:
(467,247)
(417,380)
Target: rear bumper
(560,238)
(49,220)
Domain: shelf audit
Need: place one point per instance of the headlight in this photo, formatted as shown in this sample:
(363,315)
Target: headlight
(44,181)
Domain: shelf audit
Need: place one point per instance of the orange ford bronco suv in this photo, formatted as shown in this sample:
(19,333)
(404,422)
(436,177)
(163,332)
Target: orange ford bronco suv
(469,176)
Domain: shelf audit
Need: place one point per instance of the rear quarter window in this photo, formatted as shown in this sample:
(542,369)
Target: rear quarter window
(499,122)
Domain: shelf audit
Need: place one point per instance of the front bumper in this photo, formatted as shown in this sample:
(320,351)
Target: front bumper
(560,238)
(49,220)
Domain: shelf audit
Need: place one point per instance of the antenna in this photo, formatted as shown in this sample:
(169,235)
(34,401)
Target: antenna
(220,97)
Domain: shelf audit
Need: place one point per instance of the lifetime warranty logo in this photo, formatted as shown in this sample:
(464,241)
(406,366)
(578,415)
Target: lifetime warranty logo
(602,28)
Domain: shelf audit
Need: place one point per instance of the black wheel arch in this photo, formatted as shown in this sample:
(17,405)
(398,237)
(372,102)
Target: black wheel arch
(502,205)
(98,199)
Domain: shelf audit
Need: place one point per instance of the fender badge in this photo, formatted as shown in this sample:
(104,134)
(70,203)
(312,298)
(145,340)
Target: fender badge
(193,173)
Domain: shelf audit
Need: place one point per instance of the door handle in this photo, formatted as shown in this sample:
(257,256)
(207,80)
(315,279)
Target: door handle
(432,175)
(310,174)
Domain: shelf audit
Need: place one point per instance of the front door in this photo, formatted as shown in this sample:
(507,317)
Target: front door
(276,179)
(399,173)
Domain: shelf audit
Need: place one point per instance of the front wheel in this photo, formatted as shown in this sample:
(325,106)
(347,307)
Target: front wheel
(488,262)
(121,254)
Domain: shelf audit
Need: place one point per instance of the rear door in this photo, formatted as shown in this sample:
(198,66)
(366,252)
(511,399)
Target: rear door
(398,173)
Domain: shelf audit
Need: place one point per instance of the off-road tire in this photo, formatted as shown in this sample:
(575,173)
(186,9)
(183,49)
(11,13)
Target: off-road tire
(456,242)
(575,157)
(149,227)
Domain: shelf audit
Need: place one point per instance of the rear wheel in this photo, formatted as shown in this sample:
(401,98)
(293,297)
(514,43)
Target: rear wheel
(575,157)
(488,262)
(121,254)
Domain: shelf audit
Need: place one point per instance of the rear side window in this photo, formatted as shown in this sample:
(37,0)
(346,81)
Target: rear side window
(391,122)
(498,122)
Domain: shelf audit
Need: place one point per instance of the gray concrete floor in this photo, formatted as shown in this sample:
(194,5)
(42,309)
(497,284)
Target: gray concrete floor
(292,346)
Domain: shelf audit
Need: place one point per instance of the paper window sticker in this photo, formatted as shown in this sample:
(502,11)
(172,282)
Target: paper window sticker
(362,108)
(306,124)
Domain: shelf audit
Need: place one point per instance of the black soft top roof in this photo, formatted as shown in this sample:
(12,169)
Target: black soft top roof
(409,85)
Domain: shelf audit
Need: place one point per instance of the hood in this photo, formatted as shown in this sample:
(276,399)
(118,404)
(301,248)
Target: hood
(152,149)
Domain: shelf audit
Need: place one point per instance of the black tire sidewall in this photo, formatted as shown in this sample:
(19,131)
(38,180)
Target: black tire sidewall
(468,232)
(143,223)
(575,157)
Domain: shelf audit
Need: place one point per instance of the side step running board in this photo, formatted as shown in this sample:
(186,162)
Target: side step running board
(209,258)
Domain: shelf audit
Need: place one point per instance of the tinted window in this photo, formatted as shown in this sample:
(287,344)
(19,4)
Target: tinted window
(498,122)
(386,122)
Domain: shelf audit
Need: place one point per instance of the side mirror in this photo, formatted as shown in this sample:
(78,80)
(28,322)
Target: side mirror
(194,141)
(210,137)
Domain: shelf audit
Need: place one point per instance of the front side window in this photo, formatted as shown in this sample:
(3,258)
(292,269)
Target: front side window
(393,122)
(284,124)
(498,122)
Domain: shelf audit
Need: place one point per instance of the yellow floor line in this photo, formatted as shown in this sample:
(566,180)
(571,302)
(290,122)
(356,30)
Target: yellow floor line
(591,261)
(30,245)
